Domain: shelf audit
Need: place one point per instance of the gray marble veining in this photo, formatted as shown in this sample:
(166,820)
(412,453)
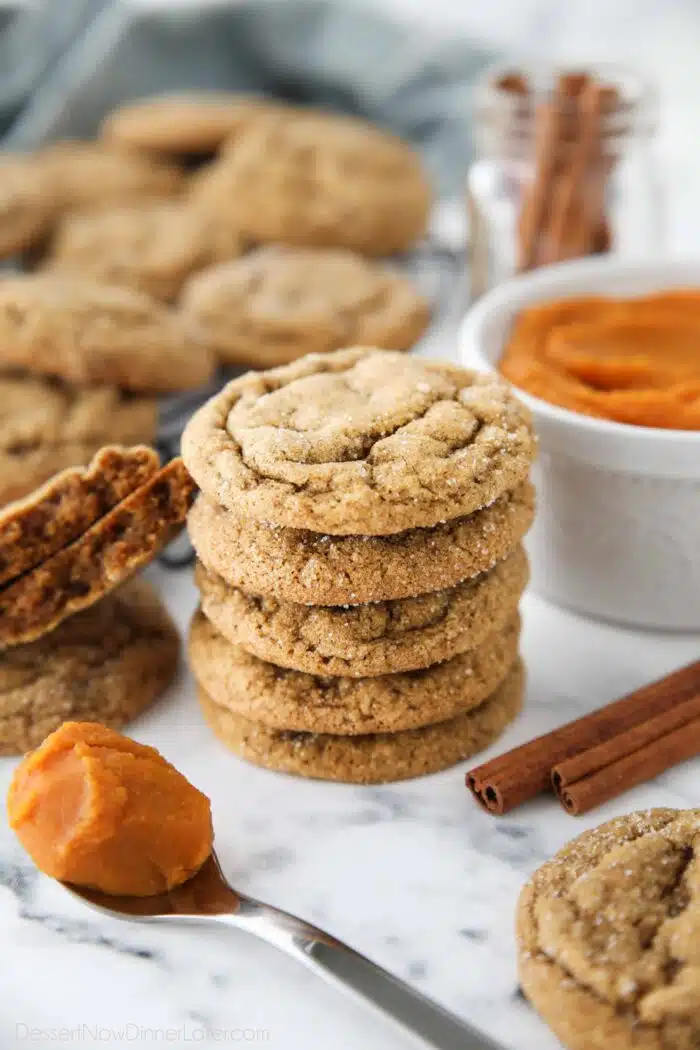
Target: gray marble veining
(413,874)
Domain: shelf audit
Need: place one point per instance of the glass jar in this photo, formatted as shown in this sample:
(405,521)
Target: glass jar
(565,167)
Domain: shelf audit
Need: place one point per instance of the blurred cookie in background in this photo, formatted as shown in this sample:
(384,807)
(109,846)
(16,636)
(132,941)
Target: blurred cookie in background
(278,303)
(318,180)
(152,247)
(27,206)
(192,124)
(47,426)
(85,175)
(87,333)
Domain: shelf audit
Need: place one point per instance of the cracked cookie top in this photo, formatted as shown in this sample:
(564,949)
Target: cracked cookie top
(360,442)
(318,179)
(609,933)
(278,303)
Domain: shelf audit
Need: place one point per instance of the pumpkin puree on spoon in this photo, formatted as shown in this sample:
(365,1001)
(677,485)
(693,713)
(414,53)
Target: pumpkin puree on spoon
(94,808)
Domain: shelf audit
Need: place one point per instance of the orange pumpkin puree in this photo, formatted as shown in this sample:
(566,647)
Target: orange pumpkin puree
(630,360)
(94,808)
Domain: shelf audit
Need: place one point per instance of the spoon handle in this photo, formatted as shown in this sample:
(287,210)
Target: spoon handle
(409,1008)
(348,970)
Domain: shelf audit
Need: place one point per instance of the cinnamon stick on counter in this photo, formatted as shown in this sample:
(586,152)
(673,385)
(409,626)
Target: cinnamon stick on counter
(505,782)
(606,771)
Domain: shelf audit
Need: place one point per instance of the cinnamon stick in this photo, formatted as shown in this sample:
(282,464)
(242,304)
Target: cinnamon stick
(514,83)
(593,759)
(518,776)
(575,213)
(562,215)
(548,120)
(635,768)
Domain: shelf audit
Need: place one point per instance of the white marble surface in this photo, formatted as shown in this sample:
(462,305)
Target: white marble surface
(414,875)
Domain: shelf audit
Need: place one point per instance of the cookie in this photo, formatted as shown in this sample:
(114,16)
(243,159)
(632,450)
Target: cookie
(104,556)
(54,515)
(84,332)
(283,699)
(364,640)
(360,442)
(608,935)
(89,175)
(318,180)
(47,426)
(152,247)
(278,303)
(26,206)
(105,665)
(183,124)
(311,568)
(375,758)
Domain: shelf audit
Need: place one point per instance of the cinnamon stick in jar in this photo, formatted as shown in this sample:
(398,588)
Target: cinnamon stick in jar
(562,214)
(518,776)
(547,135)
(578,199)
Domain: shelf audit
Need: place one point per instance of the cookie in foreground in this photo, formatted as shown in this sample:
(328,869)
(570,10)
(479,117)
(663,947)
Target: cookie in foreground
(376,758)
(378,638)
(608,935)
(360,442)
(35,528)
(312,568)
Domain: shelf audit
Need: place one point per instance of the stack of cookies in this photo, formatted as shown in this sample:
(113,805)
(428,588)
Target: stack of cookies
(79,638)
(359,537)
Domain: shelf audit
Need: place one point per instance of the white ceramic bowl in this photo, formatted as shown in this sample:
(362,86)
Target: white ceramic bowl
(617,532)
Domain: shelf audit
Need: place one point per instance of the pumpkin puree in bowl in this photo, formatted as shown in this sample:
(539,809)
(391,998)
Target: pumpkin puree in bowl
(94,808)
(631,360)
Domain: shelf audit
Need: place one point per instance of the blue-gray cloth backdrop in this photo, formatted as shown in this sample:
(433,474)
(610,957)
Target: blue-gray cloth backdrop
(65,63)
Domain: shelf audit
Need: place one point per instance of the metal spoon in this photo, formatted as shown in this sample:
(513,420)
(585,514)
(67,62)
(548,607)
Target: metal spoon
(208,898)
